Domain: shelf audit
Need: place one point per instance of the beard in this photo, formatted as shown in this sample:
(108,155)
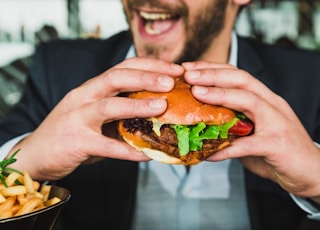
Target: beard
(201,29)
(208,25)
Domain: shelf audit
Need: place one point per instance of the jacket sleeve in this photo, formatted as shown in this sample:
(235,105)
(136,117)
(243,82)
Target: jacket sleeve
(25,116)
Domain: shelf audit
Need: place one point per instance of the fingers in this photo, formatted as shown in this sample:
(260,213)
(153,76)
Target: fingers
(101,147)
(151,65)
(96,97)
(220,83)
(205,65)
(132,75)
(242,147)
(115,108)
(225,76)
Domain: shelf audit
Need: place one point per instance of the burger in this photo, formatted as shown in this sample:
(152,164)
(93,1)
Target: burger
(188,131)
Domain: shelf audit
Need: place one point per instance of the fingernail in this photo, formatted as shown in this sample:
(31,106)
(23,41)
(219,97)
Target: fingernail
(157,103)
(200,90)
(177,67)
(165,81)
(188,65)
(193,74)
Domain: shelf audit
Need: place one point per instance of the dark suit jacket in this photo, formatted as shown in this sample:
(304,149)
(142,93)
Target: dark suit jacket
(103,194)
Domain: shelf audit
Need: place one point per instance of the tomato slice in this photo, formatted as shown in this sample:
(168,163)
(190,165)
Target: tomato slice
(242,128)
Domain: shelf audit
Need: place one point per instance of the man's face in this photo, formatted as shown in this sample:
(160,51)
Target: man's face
(174,30)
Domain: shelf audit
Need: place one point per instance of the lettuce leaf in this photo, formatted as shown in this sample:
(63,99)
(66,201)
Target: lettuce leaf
(183,133)
(190,137)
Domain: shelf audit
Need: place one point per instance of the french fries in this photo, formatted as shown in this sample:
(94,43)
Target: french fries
(22,195)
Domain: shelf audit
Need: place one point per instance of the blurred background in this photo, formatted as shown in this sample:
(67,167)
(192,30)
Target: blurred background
(25,23)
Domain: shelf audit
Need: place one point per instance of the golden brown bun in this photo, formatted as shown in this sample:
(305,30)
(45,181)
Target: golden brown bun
(184,109)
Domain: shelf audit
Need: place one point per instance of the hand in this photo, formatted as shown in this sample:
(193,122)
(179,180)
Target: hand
(72,133)
(280,148)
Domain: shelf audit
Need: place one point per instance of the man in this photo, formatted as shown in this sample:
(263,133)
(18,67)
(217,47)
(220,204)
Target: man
(65,110)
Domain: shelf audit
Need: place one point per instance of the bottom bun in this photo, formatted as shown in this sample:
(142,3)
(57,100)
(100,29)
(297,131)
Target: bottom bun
(156,154)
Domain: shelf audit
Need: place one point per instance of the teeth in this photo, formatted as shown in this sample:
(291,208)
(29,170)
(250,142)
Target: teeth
(155,16)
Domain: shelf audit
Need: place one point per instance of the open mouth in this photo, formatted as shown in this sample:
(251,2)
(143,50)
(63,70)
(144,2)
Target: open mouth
(156,23)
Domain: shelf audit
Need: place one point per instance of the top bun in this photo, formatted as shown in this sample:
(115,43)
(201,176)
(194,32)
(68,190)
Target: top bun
(184,109)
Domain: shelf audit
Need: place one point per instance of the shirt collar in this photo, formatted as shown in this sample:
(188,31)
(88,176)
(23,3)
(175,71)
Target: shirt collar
(233,58)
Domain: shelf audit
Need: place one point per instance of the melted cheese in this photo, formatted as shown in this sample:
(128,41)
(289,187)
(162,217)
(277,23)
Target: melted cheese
(156,126)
